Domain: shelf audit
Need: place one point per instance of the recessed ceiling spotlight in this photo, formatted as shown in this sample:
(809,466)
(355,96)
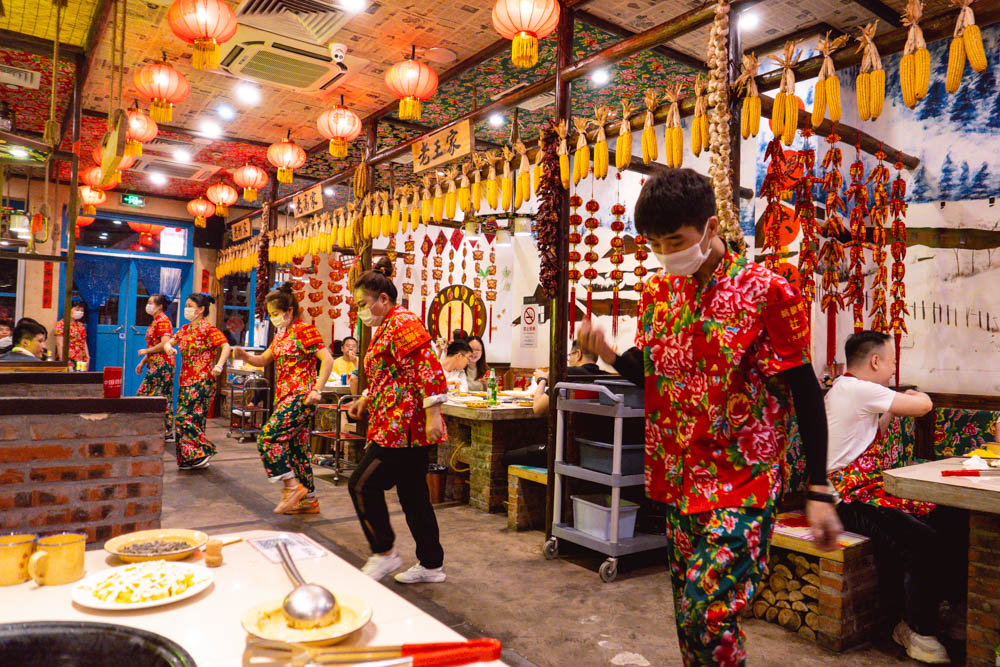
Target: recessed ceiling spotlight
(749,20)
(353,6)
(156,178)
(600,77)
(225,112)
(211,129)
(328,192)
(118,222)
(181,155)
(248,93)
(18,152)
(496,119)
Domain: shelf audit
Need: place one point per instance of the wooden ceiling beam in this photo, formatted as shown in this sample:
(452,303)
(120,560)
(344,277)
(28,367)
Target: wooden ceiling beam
(881,10)
(17,41)
(622,31)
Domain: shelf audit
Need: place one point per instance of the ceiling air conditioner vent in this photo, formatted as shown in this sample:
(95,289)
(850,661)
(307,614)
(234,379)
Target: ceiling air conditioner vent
(187,171)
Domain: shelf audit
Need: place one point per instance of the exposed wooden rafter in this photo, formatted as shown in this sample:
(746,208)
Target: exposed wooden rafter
(881,10)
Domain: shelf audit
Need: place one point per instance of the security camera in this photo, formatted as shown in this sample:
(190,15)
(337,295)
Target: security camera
(338,51)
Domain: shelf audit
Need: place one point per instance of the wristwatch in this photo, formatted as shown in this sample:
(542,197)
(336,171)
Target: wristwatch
(832,498)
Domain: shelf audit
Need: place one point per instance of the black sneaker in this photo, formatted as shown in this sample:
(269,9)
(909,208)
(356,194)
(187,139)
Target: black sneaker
(200,462)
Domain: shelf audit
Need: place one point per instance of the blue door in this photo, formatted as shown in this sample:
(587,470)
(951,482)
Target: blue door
(105,321)
(150,277)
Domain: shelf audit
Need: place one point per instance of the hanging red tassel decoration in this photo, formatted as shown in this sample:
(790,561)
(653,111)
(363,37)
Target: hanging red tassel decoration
(831,254)
(898,309)
(617,258)
(575,202)
(591,241)
(857,194)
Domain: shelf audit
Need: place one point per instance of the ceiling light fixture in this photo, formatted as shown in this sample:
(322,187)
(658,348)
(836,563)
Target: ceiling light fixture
(248,94)
(328,192)
(181,155)
(353,6)
(749,20)
(225,112)
(496,119)
(211,129)
(18,152)
(117,222)
(156,178)
(600,77)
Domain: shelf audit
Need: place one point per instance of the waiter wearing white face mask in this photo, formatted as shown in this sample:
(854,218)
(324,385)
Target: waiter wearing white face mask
(716,334)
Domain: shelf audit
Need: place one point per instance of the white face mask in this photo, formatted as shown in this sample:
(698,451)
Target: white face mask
(367,317)
(278,321)
(190,314)
(6,341)
(685,262)
(150,309)
(77,314)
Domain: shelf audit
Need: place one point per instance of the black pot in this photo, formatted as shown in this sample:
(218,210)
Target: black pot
(79,644)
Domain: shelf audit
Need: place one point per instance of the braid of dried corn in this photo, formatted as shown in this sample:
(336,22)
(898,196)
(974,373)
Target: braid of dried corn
(718,100)
(915,63)
(750,112)
(437,204)
(425,201)
(581,159)
(536,169)
(464,190)
(870,83)
(399,212)
(523,173)
(828,79)
(492,182)
(451,196)
(649,149)
(415,209)
(972,38)
(623,144)
(366,219)
(507,180)
(674,135)
(699,122)
(785,114)
(601,156)
(562,129)
(386,217)
(476,191)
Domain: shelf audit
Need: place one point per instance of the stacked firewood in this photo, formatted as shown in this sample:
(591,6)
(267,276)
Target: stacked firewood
(789,596)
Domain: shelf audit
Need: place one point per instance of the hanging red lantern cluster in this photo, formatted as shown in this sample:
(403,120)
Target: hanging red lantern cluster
(591,257)
(575,220)
(525,22)
(879,177)
(641,255)
(412,82)
(805,212)
(898,309)
(252,179)
(91,199)
(831,254)
(223,196)
(287,156)
(340,125)
(201,209)
(163,86)
(205,24)
(617,257)
(141,129)
(857,194)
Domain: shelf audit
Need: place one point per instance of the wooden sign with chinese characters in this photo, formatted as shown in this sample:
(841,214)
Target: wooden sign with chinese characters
(242,230)
(308,201)
(444,146)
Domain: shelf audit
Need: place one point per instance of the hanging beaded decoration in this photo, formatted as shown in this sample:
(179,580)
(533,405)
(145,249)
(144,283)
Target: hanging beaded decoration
(591,241)
(617,257)
(575,220)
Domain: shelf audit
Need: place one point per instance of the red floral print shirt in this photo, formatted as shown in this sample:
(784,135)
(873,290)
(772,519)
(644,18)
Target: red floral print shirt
(77,338)
(155,332)
(197,342)
(715,433)
(402,371)
(294,351)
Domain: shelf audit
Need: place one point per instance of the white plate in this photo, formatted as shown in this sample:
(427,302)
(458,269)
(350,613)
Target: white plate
(82,591)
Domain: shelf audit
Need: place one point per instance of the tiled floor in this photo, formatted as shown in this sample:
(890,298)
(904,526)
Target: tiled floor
(547,613)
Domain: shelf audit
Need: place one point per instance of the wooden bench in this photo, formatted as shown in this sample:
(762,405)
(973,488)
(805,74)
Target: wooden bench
(830,597)
(526,497)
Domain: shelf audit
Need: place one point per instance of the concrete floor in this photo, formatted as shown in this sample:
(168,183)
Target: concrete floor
(546,613)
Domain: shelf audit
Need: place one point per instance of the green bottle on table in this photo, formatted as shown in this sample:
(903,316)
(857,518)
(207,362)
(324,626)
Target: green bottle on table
(491,389)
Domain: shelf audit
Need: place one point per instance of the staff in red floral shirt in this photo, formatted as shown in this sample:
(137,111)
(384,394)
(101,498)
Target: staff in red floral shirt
(78,350)
(715,334)
(159,365)
(199,342)
(406,388)
(284,440)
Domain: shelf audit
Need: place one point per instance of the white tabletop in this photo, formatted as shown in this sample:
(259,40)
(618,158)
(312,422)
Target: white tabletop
(925,482)
(208,624)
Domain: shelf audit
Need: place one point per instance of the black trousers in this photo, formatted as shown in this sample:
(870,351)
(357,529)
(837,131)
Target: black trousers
(929,552)
(382,468)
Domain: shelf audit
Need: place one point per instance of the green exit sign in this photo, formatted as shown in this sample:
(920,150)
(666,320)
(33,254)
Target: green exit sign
(133,200)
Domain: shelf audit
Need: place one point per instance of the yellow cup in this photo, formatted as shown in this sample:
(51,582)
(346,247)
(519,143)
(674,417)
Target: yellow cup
(15,550)
(993,448)
(59,559)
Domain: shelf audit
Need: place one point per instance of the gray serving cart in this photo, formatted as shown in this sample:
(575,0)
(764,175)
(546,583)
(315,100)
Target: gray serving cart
(614,406)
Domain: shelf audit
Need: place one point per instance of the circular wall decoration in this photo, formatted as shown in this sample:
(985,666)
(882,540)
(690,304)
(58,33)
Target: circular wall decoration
(456,307)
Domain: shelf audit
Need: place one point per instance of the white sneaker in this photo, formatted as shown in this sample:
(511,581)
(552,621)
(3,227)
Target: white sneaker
(378,566)
(420,574)
(922,648)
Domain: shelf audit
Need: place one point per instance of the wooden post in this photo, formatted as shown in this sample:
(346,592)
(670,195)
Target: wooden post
(74,204)
(366,258)
(269,224)
(559,307)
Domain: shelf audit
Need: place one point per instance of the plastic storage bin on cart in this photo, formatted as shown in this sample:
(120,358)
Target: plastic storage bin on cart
(617,543)
(335,456)
(246,420)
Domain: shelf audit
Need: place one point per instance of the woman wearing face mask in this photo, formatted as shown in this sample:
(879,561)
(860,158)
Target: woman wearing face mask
(159,365)
(284,440)
(78,351)
(406,388)
(198,342)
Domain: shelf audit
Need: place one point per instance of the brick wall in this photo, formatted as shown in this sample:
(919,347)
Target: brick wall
(983,629)
(848,598)
(88,390)
(101,474)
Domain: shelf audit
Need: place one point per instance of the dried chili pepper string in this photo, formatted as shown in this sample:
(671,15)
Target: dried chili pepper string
(879,177)
(805,211)
(857,194)
(831,254)
(898,309)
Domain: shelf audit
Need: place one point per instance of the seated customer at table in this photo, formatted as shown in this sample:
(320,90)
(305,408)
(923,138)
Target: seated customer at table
(579,365)
(29,342)
(454,362)
(477,370)
(347,362)
(6,335)
(924,541)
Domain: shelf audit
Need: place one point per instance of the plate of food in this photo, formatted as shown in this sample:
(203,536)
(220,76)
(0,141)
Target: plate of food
(156,544)
(267,621)
(141,585)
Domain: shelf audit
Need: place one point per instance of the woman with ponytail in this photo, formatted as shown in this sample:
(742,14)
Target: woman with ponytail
(283,441)
(159,365)
(406,387)
(198,342)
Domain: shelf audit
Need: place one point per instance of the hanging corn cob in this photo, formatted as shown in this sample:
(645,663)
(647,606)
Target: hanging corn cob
(437,203)
(507,180)
(826,99)
(699,122)
(340,229)
(523,174)
(476,191)
(966,44)
(425,201)
(361,180)
(915,63)
(451,196)
(601,115)
(536,169)
(750,113)
(870,85)
(385,218)
(623,143)
(581,160)
(396,212)
(366,218)
(562,129)
(785,114)
(415,208)
(718,130)
(464,191)
(649,147)
(492,182)
(673,134)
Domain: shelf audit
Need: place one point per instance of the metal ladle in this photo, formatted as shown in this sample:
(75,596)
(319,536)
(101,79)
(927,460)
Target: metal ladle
(308,605)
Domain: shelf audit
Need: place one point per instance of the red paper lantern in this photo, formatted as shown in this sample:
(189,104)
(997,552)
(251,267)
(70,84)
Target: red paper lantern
(145,228)
(201,209)
(163,86)
(411,81)
(287,156)
(82,221)
(141,128)
(91,199)
(223,196)
(525,22)
(91,176)
(340,125)
(204,23)
(126,162)
(251,179)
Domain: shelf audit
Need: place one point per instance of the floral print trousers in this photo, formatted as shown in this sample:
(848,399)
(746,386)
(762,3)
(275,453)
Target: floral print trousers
(192,410)
(283,441)
(717,559)
(159,381)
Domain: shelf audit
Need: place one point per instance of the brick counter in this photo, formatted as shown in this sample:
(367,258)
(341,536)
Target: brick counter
(51,385)
(97,471)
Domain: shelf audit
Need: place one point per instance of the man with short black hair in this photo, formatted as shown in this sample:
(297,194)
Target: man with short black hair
(720,344)
(454,362)
(29,342)
(926,541)
(347,363)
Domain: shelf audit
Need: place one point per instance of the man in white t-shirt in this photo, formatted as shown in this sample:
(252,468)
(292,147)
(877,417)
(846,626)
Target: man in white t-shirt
(927,541)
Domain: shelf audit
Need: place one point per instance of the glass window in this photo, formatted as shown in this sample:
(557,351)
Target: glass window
(236,290)
(8,304)
(120,234)
(8,288)
(238,298)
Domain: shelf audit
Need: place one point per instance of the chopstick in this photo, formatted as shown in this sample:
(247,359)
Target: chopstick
(969,473)
(442,654)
